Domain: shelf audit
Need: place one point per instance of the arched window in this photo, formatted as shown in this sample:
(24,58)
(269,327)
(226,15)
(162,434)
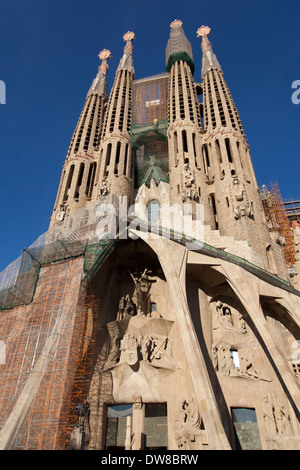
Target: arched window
(153,210)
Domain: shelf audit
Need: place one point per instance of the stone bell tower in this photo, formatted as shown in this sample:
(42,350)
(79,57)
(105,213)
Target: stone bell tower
(187,176)
(115,164)
(233,192)
(79,171)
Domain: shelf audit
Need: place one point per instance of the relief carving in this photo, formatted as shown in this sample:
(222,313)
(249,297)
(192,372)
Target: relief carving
(140,301)
(230,318)
(230,362)
(104,188)
(243,210)
(152,349)
(189,425)
(189,190)
(238,189)
(276,418)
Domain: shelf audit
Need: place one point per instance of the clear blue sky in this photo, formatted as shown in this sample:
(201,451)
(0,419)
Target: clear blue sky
(49,57)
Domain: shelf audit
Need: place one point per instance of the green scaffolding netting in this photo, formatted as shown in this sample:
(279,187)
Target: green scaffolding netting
(18,281)
(95,255)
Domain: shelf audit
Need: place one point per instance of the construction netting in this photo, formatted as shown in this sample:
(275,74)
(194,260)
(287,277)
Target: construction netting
(18,281)
(149,129)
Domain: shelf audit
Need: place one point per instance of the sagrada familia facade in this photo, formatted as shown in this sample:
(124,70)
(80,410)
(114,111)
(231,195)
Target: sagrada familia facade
(157,311)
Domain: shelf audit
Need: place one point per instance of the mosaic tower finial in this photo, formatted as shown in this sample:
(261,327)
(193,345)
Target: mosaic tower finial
(209,60)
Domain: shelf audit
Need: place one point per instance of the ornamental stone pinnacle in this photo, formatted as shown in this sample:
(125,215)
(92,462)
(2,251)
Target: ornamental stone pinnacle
(209,60)
(176,24)
(126,63)
(99,85)
(203,31)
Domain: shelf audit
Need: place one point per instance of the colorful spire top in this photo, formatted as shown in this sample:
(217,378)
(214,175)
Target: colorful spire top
(126,63)
(176,24)
(209,60)
(178,46)
(99,85)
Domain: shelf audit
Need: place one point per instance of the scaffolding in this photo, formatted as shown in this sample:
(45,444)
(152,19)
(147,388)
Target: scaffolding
(278,221)
(48,331)
(292,208)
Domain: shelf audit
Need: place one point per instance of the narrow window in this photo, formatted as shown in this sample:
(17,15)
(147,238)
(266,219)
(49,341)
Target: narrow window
(79,181)
(227,143)
(214,208)
(91,179)
(125,160)
(184,141)
(69,182)
(117,157)
(107,160)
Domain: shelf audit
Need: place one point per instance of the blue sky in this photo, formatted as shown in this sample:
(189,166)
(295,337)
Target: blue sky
(49,57)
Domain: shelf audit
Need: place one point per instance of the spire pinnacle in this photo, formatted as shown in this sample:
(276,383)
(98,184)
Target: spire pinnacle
(178,46)
(209,60)
(99,85)
(126,63)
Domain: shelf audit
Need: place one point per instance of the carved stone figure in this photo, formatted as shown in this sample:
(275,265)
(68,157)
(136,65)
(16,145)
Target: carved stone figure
(188,425)
(103,189)
(129,349)
(141,295)
(189,190)
(277,420)
(247,364)
(126,308)
(238,189)
(229,318)
(222,358)
(243,210)
(153,349)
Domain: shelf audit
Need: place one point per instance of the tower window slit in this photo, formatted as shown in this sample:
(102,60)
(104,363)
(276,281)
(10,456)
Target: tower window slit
(214,208)
(69,182)
(205,157)
(79,181)
(107,160)
(90,180)
(228,149)
(184,141)
(117,161)
(125,160)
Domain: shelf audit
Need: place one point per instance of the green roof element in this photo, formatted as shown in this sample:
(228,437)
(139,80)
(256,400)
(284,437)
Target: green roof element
(177,57)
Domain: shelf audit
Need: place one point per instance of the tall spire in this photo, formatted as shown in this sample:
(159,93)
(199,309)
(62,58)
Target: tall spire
(126,63)
(209,60)
(178,47)
(99,85)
